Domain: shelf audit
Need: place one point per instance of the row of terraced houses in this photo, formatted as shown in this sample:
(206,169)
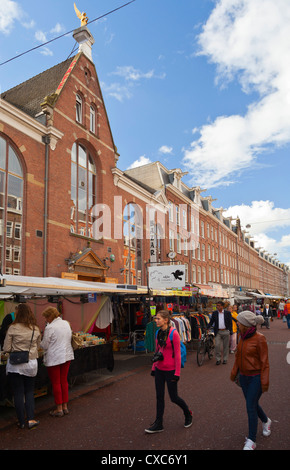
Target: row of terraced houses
(67,210)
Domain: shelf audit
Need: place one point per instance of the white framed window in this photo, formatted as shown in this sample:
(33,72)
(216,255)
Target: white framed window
(92,119)
(171,240)
(79,109)
(185,247)
(192,224)
(177,214)
(9,229)
(202,229)
(170,211)
(178,244)
(193,273)
(184,217)
(16,254)
(203,252)
(11,191)
(17,231)
(193,249)
(9,253)
(83,191)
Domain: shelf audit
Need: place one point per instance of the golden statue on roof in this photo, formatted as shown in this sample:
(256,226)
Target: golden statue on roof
(82,16)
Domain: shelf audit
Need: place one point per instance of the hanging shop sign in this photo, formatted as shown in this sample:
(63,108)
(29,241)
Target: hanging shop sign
(166,277)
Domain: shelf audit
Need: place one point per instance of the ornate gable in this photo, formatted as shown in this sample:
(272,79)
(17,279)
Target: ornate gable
(87,265)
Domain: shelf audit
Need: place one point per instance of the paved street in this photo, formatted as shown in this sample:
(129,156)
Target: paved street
(112,414)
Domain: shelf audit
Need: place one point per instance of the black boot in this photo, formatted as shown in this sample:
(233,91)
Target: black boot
(155,427)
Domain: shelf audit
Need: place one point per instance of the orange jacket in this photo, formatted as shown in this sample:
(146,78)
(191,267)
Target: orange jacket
(287,309)
(252,358)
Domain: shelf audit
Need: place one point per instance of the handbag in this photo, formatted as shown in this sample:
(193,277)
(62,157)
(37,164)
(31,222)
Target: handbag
(76,341)
(237,379)
(20,357)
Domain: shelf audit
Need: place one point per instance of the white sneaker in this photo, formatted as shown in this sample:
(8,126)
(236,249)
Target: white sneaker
(249,445)
(267,428)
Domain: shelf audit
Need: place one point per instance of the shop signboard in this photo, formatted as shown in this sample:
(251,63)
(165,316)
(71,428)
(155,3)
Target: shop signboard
(166,276)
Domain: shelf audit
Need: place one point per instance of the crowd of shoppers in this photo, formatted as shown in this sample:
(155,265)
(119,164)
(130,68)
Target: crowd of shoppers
(234,333)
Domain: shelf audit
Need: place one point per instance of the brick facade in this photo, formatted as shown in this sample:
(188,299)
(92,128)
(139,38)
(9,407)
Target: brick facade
(53,241)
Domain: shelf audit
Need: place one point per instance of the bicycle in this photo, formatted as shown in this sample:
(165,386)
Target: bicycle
(205,345)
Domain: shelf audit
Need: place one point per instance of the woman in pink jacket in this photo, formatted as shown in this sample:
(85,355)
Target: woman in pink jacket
(166,369)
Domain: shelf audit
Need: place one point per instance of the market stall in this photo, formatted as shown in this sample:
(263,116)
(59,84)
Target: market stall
(87,306)
(87,358)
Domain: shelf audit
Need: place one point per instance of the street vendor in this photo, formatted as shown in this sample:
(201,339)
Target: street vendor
(140,316)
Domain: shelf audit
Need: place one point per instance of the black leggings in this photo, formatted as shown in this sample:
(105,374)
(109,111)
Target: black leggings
(23,392)
(162,377)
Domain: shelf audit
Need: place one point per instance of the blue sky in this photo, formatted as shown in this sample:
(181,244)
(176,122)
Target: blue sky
(201,85)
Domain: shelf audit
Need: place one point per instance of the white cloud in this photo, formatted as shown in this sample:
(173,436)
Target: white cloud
(40,36)
(128,72)
(46,51)
(266,222)
(249,41)
(131,77)
(58,29)
(10,11)
(263,216)
(141,161)
(117,91)
(165,149)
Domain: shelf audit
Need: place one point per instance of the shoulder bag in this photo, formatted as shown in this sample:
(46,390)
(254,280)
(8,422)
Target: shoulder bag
(20,357)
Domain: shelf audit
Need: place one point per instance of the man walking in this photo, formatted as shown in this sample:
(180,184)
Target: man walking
(221,320)
(267,314)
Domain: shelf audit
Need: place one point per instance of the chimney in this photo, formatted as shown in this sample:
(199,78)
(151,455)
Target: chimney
(85,40)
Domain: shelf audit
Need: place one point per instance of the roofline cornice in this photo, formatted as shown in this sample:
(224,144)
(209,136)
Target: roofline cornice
(125,183)
(29,126)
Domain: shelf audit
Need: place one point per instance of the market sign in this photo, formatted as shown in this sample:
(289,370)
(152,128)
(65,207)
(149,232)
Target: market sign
(166,277)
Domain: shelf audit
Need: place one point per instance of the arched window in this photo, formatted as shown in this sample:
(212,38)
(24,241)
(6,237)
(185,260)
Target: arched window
(83,190)
(11,198)
(132,232)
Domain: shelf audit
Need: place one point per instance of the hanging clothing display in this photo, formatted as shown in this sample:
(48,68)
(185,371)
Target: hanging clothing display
(183,327)
(106,316)
(199,322)
(150,342)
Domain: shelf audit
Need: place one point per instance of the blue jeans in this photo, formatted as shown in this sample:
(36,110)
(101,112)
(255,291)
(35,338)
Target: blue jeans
(23,393)
(251,386)
(288,320)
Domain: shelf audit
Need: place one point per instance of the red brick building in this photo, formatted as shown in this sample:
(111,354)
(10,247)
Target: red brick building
(67,210)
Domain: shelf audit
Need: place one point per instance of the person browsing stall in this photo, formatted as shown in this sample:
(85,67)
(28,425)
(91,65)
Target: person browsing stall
(23,335)
(166,370)
(58,354)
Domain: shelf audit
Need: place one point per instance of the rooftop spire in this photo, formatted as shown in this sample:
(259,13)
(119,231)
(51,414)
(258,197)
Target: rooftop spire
(83,36)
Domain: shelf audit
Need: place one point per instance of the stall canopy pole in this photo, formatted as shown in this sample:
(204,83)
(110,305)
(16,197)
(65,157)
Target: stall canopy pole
(93,319)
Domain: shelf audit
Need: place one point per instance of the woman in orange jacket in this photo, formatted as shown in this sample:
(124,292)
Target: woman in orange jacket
(252,366)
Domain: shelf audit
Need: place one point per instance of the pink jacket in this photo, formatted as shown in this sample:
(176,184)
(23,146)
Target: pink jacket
(171,361)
